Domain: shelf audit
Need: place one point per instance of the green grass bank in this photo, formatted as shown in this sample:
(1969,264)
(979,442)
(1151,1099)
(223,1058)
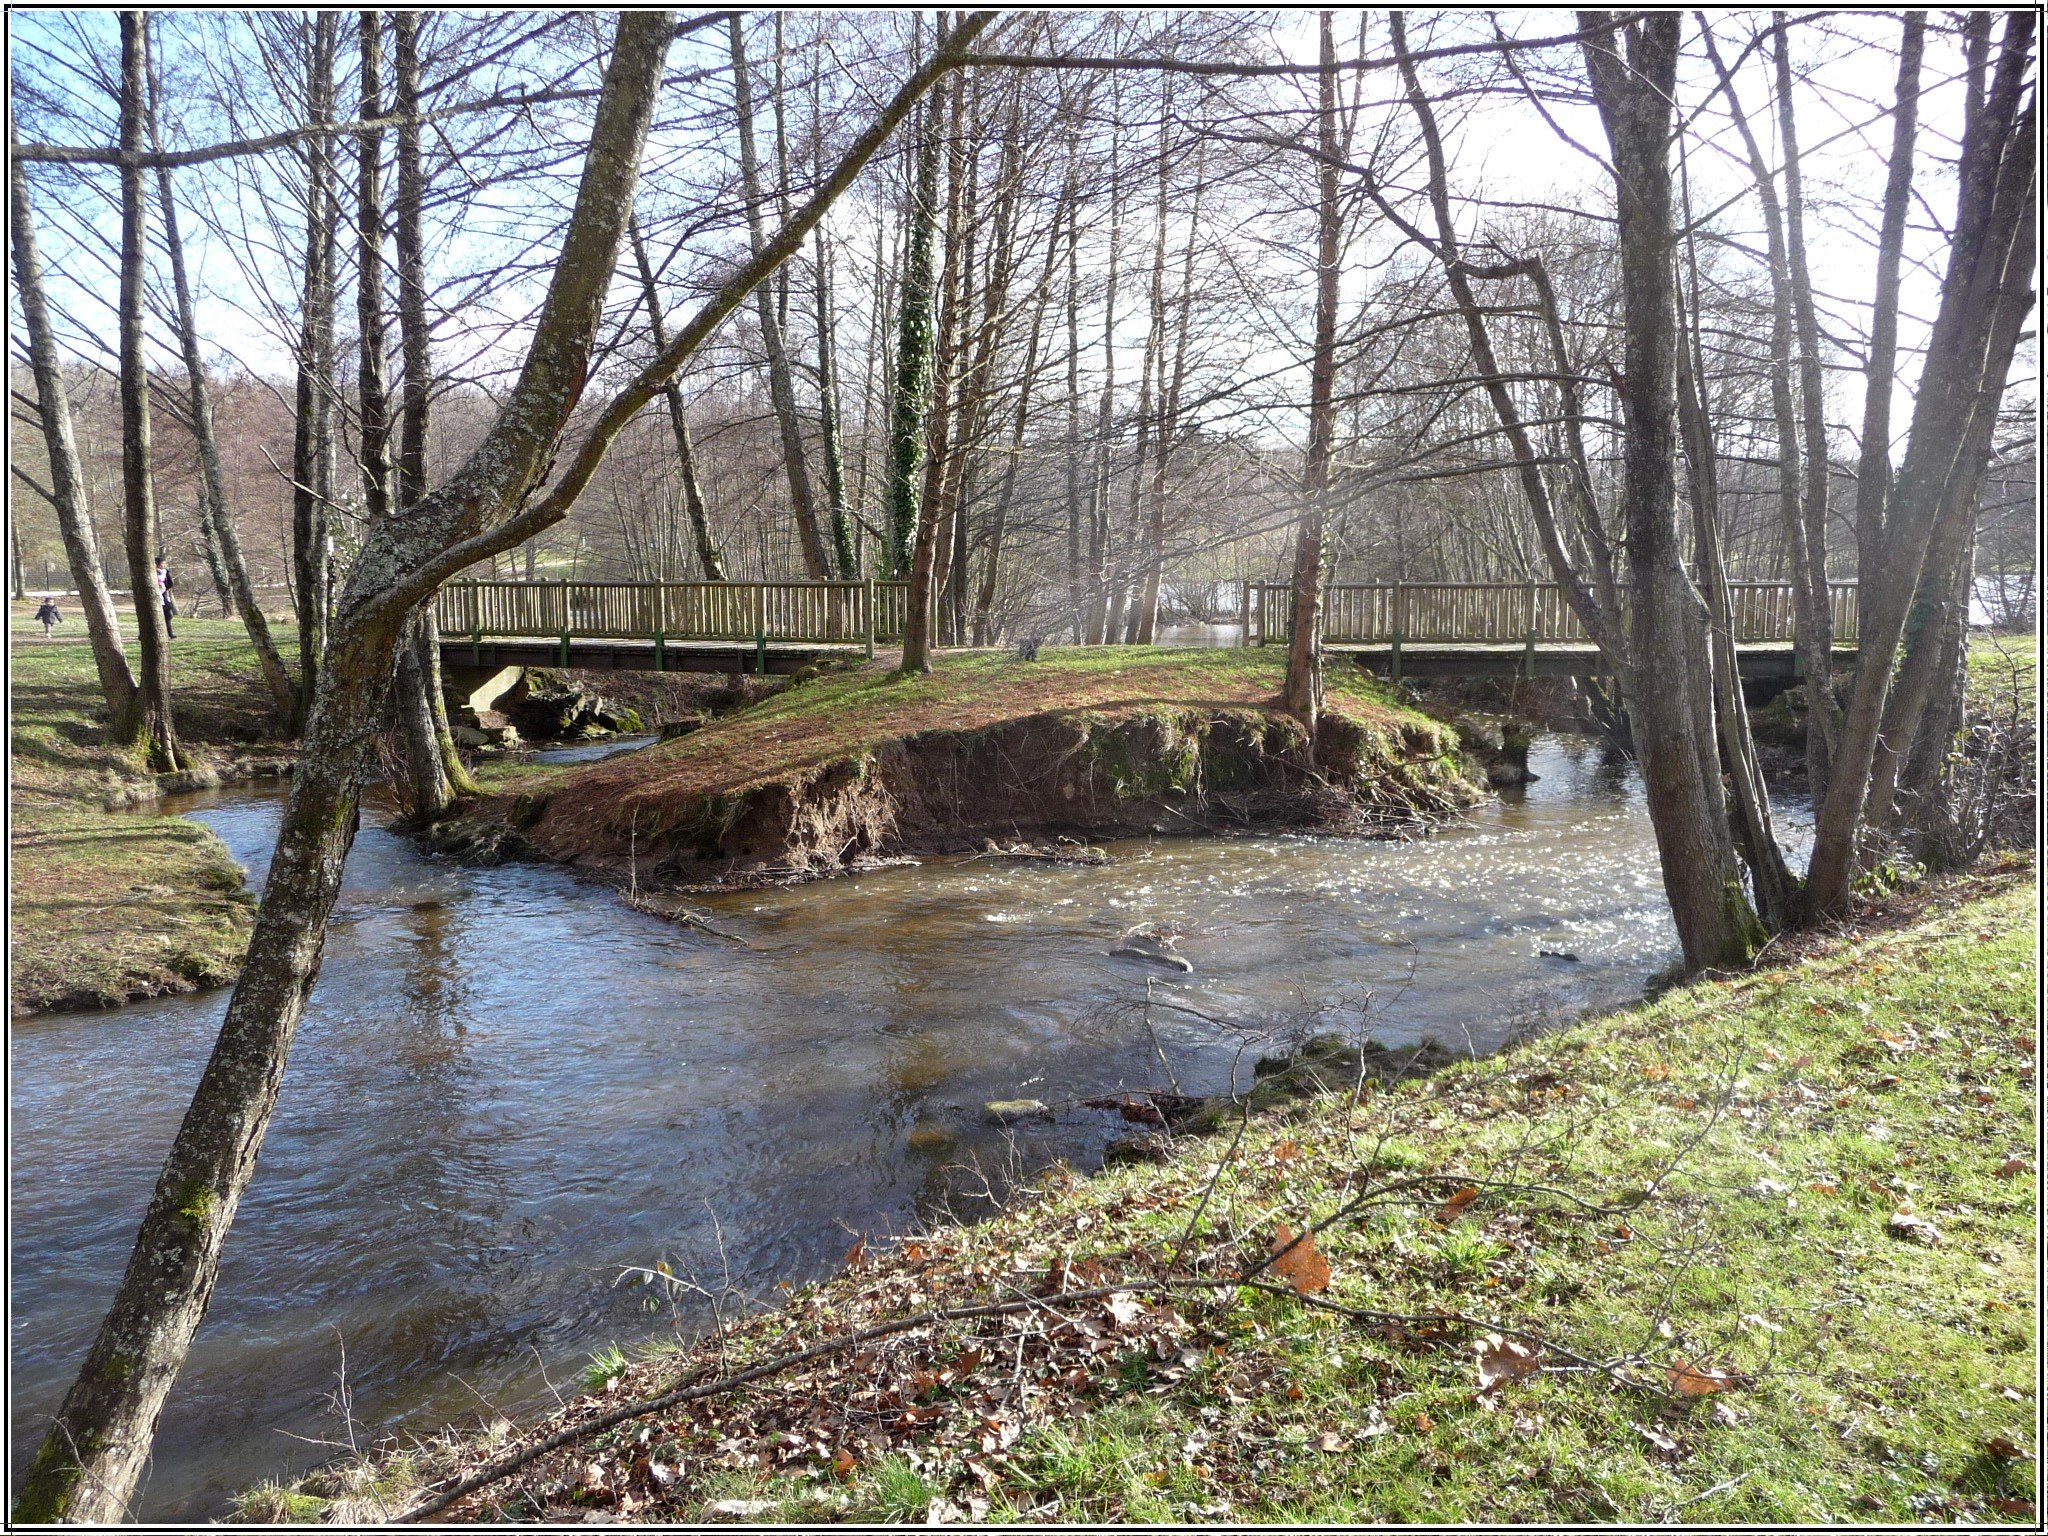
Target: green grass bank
(110,905)
(1760,1250)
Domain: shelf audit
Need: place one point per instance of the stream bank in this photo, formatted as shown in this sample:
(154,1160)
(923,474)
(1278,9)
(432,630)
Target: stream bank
(512,1092)
(1762,1251)
(857,769)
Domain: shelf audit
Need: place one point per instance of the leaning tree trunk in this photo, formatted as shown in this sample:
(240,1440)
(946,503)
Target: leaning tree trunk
(91,1458)
(158,732)
(67,475)
(213,496)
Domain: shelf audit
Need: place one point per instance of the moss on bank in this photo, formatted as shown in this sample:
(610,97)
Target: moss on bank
(106,906)
(866,763)
(1766,1248)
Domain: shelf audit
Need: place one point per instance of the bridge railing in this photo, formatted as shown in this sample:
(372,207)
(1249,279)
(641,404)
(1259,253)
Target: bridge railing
(1507,613)
(818,612)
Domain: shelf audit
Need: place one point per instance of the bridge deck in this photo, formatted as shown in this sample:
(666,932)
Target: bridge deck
(777,658)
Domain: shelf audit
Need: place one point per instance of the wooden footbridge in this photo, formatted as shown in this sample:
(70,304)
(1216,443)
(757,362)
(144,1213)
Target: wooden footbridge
(1440,629)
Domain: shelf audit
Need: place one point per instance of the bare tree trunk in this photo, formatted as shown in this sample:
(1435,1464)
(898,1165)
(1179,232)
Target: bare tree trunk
(93,1456)
(1874,469)
(67,475)
(1790,298)
(1927,687)
(158,732)
(1668,686)
(1303,690)
(1755,835)
(428,793)
(708,556)
(1999,192)
(1077,591)
(416,350)
(781,386)
(312,433)
(942,467)
(212,482)
(1810,579)
(1165,440)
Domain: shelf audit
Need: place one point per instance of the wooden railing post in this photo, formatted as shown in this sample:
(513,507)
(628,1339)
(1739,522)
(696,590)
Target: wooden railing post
(565,623)
(1399,617)
(1529,654)
(868,597)
(760,628)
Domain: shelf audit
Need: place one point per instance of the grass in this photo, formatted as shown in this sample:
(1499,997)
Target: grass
(1791,1128)
(106,906)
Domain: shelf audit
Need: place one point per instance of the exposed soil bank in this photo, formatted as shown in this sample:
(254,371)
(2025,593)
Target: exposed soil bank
(737,803)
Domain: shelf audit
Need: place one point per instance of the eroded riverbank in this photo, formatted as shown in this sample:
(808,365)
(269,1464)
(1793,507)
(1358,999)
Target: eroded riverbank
(510,1087)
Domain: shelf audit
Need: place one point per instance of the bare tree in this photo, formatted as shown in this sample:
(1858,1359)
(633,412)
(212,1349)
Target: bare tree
(67,475)
(93,1454)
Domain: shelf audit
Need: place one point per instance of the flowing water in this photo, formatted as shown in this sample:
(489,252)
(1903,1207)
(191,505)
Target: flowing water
(510,1088)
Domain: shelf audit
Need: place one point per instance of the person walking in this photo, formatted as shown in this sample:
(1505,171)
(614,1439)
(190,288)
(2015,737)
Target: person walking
(49,616)
(164,584)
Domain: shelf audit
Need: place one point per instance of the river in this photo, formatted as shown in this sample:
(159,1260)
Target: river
(509,1087)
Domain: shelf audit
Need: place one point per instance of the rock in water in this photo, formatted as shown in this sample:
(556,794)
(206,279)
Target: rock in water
(1010,1111)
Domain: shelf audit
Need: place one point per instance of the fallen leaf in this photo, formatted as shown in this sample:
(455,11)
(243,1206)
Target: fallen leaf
(1329,1440)
(1286,1151)
(1424,1424)
(1455,1207)
(1662,1442)
(2012,1166)
(1502,1360)
(739,1509)
(857,1252)
(1657,1071)
(2004,1449)
(843,1462)
(1302,1267)
(1913,1229)
(2024,1508)
(1124,1310)
(1828,1188)
(1687,1380)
